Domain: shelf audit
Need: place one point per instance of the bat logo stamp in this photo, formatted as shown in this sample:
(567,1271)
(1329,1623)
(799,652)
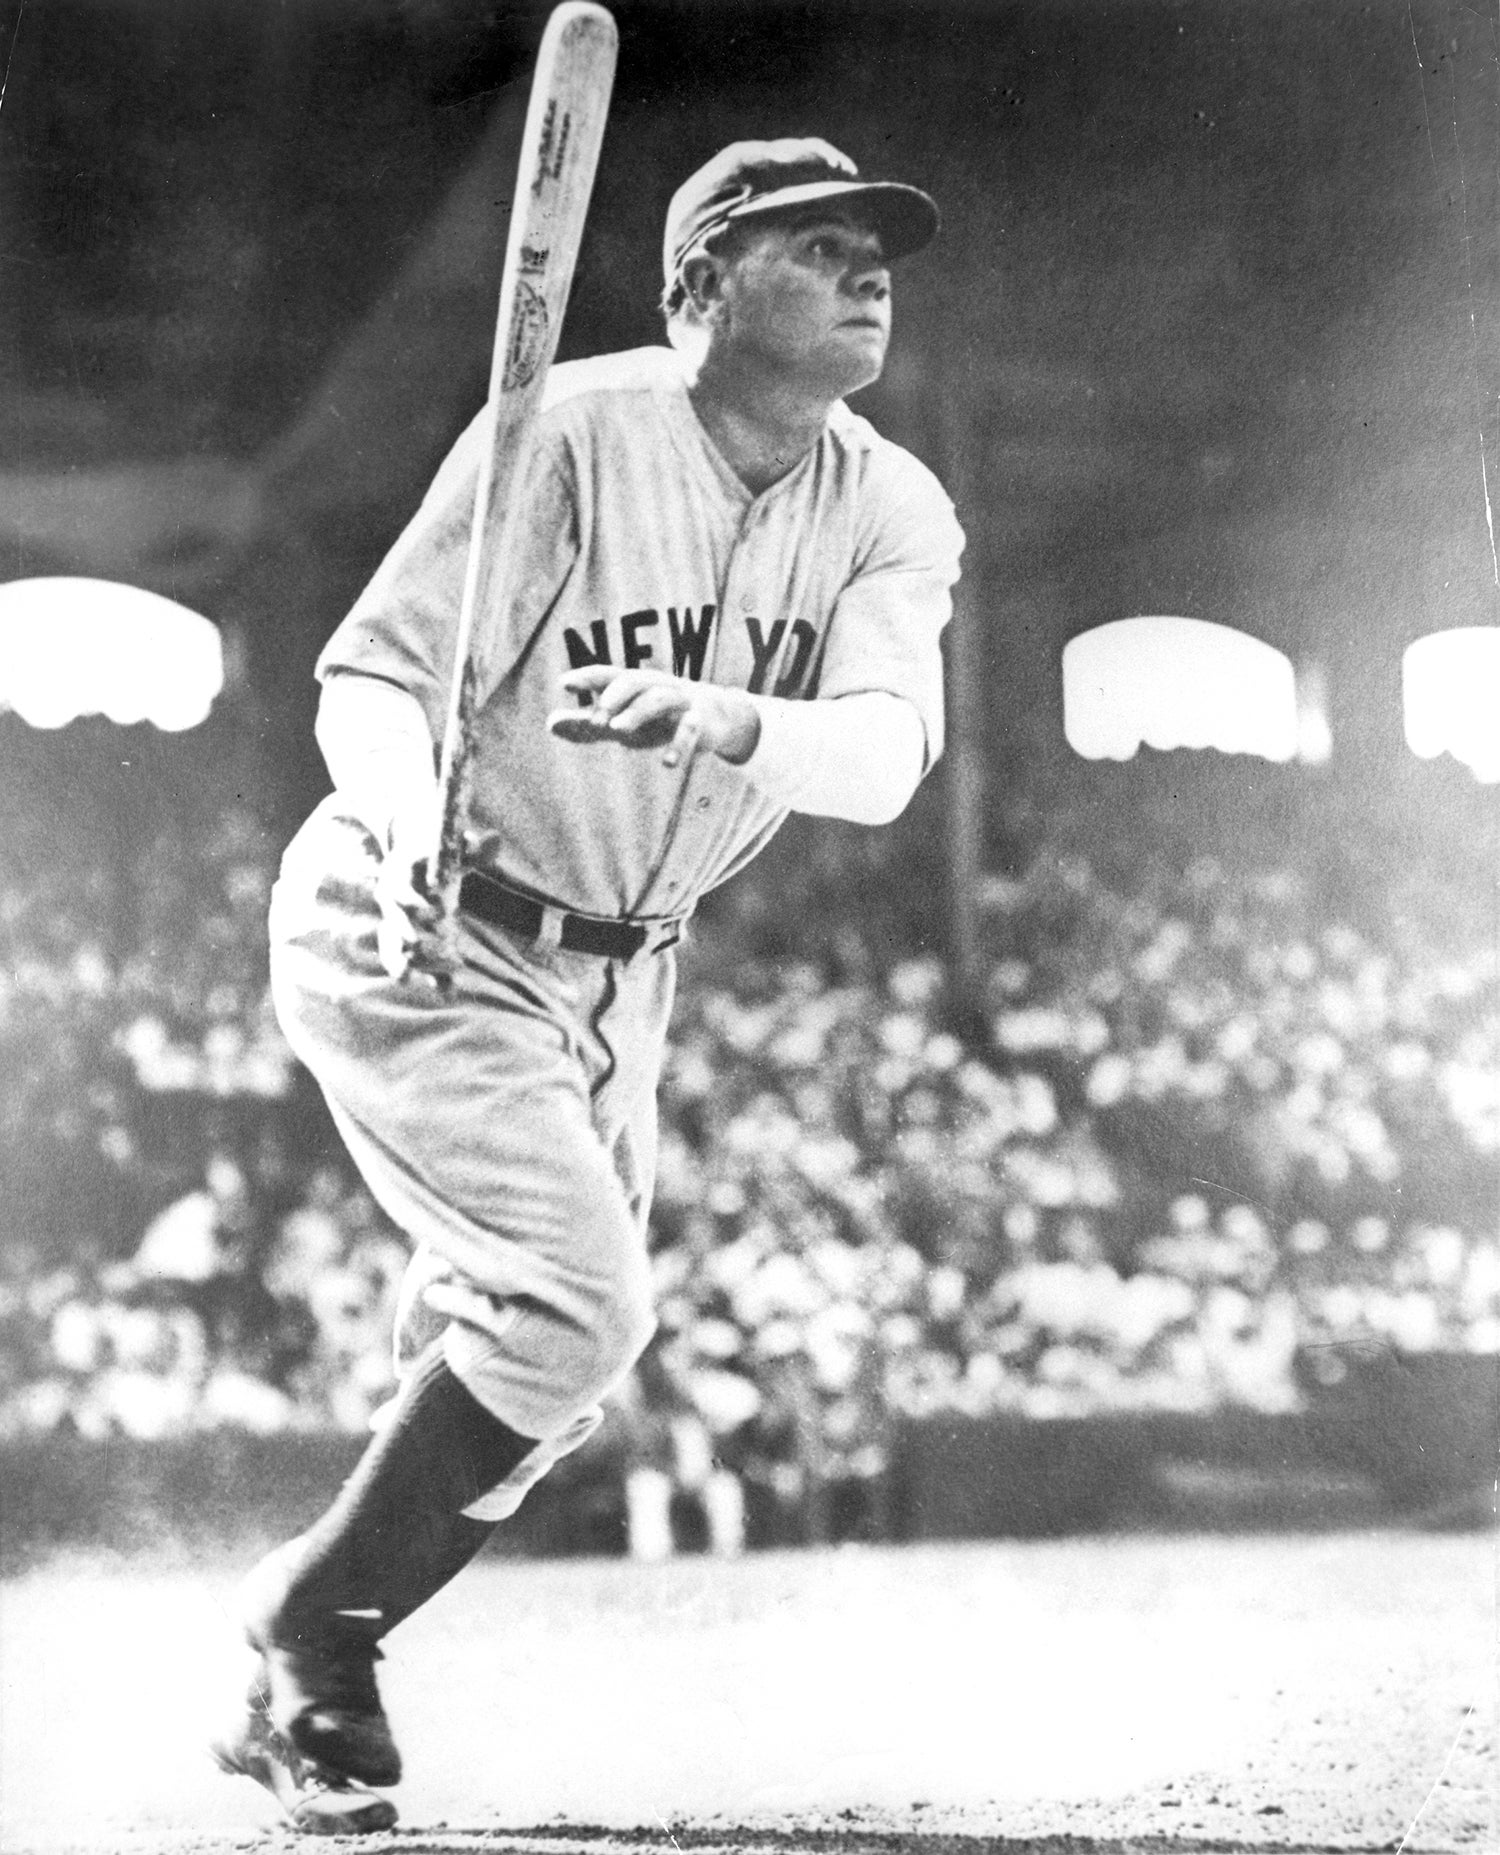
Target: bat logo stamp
(534,260)
(554,144)
(527,340)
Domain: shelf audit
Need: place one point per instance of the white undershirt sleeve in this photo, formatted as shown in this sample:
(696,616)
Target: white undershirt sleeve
(858,757)
(375,741)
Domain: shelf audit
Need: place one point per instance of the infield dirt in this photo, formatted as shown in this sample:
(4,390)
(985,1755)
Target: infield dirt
(1331,1691)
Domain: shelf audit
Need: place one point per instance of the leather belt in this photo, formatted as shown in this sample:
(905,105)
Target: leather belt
(488,900)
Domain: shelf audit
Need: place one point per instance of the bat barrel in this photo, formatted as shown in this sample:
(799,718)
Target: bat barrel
(560,144)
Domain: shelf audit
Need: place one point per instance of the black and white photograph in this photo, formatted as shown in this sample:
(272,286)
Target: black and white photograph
(750,927)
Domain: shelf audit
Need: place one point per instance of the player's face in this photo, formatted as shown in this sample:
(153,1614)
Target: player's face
(811,297)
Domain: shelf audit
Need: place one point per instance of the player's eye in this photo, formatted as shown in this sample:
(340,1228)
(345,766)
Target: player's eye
(842,248)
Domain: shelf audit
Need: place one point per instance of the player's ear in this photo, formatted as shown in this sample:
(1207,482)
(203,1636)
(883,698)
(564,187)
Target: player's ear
(703,280)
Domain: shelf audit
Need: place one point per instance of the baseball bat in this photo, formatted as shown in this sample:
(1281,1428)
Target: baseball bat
(565,120)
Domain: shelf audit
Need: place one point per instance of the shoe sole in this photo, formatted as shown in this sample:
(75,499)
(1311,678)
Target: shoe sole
(315,1799)
(314,1802)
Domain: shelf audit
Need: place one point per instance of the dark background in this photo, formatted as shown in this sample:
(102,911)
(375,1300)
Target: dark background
(1212,327)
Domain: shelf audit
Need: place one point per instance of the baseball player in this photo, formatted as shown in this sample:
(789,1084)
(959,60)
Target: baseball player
(725,604)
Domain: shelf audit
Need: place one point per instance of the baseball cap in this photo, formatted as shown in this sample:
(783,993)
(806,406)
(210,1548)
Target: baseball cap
(748,179)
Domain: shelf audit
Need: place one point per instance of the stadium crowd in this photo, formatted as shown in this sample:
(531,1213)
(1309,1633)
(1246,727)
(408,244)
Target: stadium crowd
(1191,1130)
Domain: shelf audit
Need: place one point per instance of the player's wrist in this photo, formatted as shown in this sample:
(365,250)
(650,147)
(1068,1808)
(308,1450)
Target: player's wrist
(739,735)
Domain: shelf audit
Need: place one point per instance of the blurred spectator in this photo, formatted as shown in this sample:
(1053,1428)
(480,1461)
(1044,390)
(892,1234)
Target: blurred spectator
(677,1489)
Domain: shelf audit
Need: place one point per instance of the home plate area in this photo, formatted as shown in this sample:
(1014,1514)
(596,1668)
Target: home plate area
(1325,1691)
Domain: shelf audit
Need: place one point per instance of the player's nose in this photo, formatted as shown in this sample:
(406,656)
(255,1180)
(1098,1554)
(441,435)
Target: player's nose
(868,278)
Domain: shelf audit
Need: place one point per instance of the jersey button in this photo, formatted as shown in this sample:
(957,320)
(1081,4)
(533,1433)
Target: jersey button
(704,803)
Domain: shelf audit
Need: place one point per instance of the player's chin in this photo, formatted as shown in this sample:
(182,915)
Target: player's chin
(856,355)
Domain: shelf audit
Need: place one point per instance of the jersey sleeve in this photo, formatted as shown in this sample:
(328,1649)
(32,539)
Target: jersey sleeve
(888,621)
(403,625)
(860,758)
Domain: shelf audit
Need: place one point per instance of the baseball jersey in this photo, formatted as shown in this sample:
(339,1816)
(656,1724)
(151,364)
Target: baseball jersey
(641,548)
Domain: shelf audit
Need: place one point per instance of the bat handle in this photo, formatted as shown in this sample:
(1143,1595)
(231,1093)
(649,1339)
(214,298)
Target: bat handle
(444,871)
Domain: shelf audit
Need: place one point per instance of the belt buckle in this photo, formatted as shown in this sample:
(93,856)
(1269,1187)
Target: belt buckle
(660,935)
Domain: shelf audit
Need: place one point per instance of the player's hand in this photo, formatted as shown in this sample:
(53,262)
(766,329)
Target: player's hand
(649,709)
(412,936)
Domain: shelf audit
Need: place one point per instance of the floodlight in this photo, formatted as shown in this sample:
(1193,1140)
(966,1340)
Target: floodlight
(1177,682)
(72,647)
(1451,697)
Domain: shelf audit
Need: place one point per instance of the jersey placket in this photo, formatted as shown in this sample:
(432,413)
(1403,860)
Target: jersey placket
(709,788)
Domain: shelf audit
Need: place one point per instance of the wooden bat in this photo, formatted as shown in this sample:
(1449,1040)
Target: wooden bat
(565,119)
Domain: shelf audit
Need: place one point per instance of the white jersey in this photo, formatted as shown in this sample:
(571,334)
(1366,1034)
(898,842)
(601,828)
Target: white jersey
(641,548)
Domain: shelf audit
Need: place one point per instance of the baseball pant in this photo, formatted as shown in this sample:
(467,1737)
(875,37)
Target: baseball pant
(507,1124)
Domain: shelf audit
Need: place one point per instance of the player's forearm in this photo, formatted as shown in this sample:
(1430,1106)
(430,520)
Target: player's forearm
(375,741)
(857,757)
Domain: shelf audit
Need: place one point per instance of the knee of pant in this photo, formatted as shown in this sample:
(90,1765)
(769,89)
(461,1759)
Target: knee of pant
(538,1361)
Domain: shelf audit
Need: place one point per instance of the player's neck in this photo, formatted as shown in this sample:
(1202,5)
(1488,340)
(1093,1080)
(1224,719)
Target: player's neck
(762,429)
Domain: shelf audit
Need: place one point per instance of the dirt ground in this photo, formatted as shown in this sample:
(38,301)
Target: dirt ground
(1331,1691)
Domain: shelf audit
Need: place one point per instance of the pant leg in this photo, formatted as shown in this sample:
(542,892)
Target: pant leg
(487,1121)
(625,1117)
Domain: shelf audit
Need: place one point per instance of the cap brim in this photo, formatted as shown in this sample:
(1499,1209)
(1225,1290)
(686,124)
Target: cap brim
(905,217)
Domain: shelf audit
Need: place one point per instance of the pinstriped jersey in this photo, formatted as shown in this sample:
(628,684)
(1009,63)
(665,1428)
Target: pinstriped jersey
(640,547)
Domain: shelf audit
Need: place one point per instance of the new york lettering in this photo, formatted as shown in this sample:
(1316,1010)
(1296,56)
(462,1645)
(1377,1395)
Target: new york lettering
(686,641)
(687,637)
(764,650)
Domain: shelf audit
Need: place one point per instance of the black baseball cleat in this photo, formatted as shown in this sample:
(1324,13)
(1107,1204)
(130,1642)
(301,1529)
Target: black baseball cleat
(317,1801)
(319,1676)
(323,1698)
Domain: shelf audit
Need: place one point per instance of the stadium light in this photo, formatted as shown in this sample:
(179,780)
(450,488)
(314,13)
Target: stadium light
(1450,684)
(71,647)
(1181,682)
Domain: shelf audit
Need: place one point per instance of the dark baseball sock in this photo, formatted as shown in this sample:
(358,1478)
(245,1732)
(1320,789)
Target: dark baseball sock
(396,1532)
